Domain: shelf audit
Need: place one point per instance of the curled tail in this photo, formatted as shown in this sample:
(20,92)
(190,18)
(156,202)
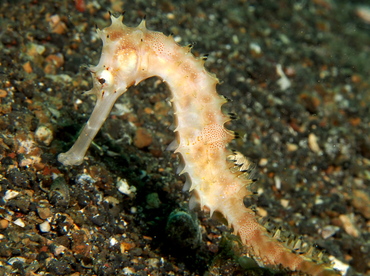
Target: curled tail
(271,248)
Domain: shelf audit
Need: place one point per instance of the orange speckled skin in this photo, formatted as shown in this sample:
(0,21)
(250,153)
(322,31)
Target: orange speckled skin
(131,55)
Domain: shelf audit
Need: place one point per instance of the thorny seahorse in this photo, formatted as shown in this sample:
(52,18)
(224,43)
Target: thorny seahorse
(217,177)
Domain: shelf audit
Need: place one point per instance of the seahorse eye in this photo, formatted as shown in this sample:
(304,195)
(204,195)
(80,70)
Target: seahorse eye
(105,78)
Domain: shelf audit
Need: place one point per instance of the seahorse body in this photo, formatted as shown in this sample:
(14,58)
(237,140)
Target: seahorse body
(217,177)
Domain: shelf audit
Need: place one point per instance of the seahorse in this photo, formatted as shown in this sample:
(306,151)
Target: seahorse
(218,178)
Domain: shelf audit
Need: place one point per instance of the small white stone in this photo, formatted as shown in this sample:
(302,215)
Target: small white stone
(129,270)
(284,203)
(263,162)
(329,231)
(133,210)
(349,225)
(291,147)
(44,135)
(277,182)
(113,241)
(283,82)
(112,200)
(19,222)
(45,227)
(124,188)
(12,260)
(255,48)
(313,144)
(9,194)
(59,250)
(337,264)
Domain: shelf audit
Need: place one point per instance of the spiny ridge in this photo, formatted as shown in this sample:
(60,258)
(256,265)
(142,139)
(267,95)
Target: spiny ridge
(295,244)
(242,164)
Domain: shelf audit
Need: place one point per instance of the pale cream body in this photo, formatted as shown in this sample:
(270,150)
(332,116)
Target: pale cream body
(131,55)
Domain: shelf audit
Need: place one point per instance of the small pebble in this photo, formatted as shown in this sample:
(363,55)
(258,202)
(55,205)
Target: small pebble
(153,262)
(263,162)
(126,246)
(3,93)
(44,213)
(59,249)
(45,227)
(284,203)
(142,138)
(182,231)
(12,260)
(27,67)
(361,201)
(113,241)
(363,12)
(57,59)
(153,201)
(283,82)
(53,62)
(291,147)
(348,225)
(129,271)
(44,134)
(34,50)
(124,187)
(59,193)
(312,143)
(255,49)
(19,222)
(10,194)
(59,267)
(329,231)
(277,182)
(4,224)
(57,25)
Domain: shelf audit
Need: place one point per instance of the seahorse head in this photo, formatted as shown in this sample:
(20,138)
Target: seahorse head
(119,66)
